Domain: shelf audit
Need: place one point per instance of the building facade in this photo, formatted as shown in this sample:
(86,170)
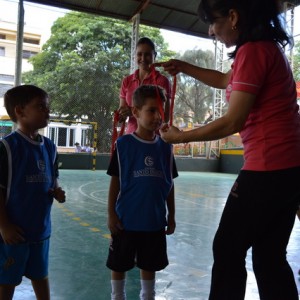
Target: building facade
(64,136)
(31,46)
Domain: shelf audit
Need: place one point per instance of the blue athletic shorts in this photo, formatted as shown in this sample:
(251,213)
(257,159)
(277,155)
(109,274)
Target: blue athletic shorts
(25,259)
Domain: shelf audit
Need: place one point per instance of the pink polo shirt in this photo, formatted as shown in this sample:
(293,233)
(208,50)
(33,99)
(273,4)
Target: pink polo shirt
(132,82)
(271,135)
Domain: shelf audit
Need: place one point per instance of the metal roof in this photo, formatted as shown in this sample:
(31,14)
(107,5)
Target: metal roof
(176,15)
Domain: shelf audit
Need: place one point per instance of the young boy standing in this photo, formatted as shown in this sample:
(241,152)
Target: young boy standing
(141,197)
(28,183)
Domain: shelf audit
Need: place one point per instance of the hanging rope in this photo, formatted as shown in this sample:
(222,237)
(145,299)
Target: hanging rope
(172,100)
(115,133)
(159,100)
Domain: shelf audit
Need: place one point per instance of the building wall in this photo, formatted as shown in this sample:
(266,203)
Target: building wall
(8,39)
(229,162)
(32,45)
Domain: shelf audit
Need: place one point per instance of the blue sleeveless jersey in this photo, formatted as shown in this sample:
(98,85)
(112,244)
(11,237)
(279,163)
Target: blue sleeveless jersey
(146,178)
(30,176)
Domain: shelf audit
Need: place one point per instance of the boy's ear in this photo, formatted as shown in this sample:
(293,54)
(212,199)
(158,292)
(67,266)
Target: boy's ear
(19,111)
(135,111)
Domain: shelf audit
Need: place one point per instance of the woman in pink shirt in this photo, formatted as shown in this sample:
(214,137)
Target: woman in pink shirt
(261,92)
(145,56)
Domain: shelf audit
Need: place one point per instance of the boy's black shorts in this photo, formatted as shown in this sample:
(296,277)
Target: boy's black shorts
(146,250)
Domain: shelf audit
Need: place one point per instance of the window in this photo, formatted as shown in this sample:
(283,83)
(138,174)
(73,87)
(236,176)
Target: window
(7,78)
(52,134)
(86,137)
(4,87)
(2,36)
(71,137)
(2,51)
(27,54)
(31,41)
(62,136)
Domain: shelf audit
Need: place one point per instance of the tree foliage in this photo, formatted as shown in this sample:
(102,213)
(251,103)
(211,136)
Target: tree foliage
(193,98)
(82,65)
(296,65)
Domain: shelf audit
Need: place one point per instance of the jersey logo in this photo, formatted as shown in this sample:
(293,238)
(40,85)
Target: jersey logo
(148,161)
(41,165)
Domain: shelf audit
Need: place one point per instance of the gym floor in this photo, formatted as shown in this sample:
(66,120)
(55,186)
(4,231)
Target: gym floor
(80,239)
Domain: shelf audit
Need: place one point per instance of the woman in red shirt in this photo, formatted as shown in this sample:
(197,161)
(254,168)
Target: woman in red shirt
(261,92)
(145,56)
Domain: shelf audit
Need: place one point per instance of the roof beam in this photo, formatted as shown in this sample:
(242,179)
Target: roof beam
(143,5)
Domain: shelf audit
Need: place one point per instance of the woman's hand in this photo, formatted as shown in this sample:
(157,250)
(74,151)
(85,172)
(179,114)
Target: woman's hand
(171,134)
(124,112)
(172,66)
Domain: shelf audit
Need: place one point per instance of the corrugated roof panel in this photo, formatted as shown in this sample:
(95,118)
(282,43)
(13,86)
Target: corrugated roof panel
(117,7)
(176,15)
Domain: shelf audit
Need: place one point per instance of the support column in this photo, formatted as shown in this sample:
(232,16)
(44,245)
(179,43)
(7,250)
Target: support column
(213,147)
(19,44)
(134,39)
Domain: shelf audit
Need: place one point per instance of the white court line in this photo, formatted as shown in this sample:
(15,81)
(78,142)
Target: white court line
(198,203)
(97,199)
(192,224)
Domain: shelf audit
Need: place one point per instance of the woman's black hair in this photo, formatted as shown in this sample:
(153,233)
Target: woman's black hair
(259,20)
(147,41)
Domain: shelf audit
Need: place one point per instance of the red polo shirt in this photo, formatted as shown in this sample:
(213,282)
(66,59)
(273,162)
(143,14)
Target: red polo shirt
(271,135)
(132,82)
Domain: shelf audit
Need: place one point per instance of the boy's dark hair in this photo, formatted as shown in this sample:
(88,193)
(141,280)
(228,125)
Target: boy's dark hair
(147,41)
(259,20)
(143,92)
(21,95)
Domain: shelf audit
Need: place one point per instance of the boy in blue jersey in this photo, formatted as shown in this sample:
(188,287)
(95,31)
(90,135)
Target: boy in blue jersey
(28,184)
(141,206)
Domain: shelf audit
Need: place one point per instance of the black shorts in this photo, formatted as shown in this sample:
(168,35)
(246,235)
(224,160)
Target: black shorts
(146,250)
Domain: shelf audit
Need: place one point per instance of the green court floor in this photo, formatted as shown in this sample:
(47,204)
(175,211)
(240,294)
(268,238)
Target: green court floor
(80,239)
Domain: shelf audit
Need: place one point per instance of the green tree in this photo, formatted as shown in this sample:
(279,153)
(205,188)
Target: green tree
(193,98)
(82,64)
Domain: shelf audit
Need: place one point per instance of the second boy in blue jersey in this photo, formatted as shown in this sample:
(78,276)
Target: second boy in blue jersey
(141,208)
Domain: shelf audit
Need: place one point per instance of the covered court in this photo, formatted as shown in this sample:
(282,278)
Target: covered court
(80,239)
